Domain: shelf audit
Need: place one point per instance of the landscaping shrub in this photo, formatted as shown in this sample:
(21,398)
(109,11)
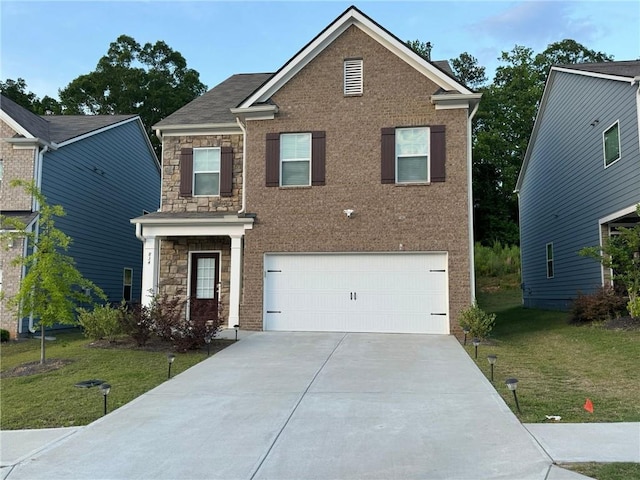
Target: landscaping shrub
(602,305)
(136,322)
(497,260)
(4,335)
(477,321)
(101,322)
(204,321)
(165,313)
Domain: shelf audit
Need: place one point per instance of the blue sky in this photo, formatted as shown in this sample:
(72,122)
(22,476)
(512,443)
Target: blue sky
(49,43)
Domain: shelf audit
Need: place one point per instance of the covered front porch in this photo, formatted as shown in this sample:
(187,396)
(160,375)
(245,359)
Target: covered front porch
(194,254)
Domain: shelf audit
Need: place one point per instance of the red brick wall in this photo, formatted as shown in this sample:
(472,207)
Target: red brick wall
(311,219)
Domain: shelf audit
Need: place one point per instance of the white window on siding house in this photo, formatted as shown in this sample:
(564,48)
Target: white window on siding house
(353,80)
(127,282)
(206,171)
(295,159)
(412,155)
(611,144)
(549,260)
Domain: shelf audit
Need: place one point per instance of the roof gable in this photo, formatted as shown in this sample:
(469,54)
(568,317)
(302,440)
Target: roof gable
(26,123)
(352,17)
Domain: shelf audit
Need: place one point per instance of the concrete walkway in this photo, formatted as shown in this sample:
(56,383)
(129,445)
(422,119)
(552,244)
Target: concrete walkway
(302,406)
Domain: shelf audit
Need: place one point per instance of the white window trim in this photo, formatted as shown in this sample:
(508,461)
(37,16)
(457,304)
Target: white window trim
(604,150)
(353,77)
(552,260)
(310,159)
(193,180)
(420,182)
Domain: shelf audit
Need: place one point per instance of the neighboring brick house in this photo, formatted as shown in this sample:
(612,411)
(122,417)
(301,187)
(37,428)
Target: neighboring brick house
(102,169)
(580,179)
(332,195)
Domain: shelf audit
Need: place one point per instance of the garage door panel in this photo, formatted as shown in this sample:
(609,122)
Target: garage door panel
(357,292)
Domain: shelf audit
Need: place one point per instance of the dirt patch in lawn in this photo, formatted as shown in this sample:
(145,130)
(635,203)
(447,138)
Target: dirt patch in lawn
(623,323)
(33,368)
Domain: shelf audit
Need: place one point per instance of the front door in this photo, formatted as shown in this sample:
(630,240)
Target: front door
(203,304)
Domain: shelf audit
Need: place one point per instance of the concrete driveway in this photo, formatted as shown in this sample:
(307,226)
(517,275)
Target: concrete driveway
(308,406)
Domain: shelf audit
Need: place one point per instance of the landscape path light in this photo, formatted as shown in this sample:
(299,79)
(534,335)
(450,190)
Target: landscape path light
(492,361)
(170,358)
(465,330)
(105,388)
(236,327)
(476,342)
(512,384)
(207,340)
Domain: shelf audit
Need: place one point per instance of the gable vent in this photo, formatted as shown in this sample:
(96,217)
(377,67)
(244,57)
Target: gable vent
(353,77)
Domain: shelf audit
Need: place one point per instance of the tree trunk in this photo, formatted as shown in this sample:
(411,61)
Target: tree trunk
(42,357)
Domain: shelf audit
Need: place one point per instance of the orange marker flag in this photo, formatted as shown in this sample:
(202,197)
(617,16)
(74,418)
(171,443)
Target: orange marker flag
(588,406)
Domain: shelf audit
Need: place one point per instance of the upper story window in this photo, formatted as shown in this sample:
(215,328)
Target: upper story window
(412,155)
(206,171)
(549,260)
(353,81)
(295,159)
(611,144)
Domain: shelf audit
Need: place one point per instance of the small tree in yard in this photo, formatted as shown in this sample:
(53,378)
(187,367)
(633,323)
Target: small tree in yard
(52,287)
(478,322)
(621,253)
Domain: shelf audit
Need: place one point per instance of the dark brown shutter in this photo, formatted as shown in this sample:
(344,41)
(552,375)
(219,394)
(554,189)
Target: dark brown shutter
(317,158)
(438,153)
(388,161)
(186,172)
(273,160)
(226,171)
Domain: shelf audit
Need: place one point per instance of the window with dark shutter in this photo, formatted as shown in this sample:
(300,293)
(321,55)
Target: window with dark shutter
(186,172)
(226,171)
(273,160)
(318,158)
(388,161)
(438,153)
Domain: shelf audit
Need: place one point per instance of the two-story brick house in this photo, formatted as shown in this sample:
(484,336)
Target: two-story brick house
(331,195)
(102,170)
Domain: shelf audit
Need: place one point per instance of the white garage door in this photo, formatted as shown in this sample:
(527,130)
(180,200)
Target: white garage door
(394,292)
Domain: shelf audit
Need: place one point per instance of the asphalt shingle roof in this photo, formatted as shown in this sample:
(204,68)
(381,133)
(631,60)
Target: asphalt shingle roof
(213,106)
(630,68)
(57,128)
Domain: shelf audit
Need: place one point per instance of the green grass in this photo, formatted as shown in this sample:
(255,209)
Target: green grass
(558,365)
(606,471)
(51,400)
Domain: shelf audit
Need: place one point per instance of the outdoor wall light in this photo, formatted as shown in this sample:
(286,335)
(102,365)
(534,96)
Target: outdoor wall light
(492,361)
(105,388)
(349,212)
(236,327)
(170,358)
(512,384)
(476,342)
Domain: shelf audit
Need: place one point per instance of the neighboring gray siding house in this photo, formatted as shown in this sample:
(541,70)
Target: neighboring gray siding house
(102,169)
(580,179)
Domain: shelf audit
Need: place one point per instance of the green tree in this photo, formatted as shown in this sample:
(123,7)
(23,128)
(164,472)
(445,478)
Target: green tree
(467,70)
(621,253)
(52,288)
(16,90)
(503,128)
(421,48)
(151,80)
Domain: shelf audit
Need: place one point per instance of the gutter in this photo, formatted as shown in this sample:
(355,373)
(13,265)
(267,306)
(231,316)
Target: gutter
(244,166)
(472,273)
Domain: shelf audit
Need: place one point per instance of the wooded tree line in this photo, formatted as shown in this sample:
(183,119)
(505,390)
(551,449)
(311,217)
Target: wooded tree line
(153,81)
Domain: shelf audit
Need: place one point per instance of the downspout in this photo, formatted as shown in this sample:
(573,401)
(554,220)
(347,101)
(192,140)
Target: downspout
(472,272)
(636,80)
(244,166)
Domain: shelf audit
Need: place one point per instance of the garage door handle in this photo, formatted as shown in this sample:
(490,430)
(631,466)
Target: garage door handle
(442,271)
(443,314)
(353,296)
(274,311)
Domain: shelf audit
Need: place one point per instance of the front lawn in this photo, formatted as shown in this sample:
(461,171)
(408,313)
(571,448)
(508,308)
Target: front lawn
(51,399)
(558,365)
